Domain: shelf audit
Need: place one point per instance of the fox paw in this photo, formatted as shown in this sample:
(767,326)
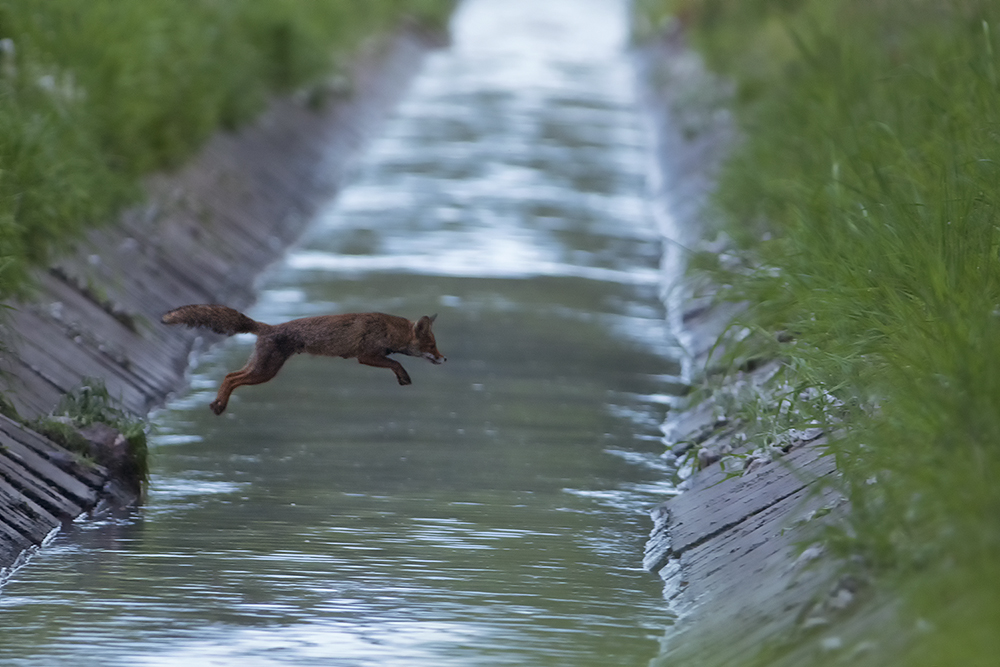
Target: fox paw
(403,381)
(217,407)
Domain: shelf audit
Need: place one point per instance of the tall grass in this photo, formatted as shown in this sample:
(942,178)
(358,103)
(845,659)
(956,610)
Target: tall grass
(96,93)
(90,404)
(864,203)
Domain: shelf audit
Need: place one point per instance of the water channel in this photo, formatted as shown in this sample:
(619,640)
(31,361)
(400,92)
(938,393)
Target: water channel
(494,512)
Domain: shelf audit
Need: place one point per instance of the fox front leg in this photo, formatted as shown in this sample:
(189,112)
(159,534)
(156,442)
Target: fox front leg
(386,362)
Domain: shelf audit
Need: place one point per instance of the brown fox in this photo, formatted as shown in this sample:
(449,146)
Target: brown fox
(370,337)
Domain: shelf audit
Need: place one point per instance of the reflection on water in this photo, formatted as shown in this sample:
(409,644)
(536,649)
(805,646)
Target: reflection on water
(491,513)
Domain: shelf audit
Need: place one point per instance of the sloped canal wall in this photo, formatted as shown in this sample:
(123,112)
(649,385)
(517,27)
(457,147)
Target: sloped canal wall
(203,236)
(728,545)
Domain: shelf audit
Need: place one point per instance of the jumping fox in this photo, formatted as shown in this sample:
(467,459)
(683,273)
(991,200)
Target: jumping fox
(369,337)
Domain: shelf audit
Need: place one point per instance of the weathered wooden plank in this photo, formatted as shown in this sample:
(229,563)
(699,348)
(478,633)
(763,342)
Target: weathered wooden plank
(91,474)
(37,490)
(81,354)
(108,334)
(61,481)
(699,515)
(64,365)
(734,560)
(11,539)
(750,581)
(145,275)
(196,260)
(33,352)
(30,519)
(692,425)
(32,394)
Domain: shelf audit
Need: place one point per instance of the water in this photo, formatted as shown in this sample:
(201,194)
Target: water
(494,512)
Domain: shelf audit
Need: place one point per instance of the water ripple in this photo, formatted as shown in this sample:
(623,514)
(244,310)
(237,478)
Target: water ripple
(502,260)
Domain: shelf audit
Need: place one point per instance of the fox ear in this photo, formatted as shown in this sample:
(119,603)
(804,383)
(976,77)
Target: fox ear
(433,317)
(424,324)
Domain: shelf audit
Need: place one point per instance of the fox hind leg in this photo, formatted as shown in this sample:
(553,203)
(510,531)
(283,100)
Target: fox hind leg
(265,362)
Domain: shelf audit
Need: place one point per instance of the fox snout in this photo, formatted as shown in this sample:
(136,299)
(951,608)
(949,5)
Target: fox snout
(434,357)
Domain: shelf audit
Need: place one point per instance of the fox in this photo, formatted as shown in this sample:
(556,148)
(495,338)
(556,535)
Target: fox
(368,337)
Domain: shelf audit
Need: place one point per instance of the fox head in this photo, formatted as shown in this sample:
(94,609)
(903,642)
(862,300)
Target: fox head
(423,344)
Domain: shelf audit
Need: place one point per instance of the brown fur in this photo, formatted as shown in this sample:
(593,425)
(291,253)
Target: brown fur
(369,337)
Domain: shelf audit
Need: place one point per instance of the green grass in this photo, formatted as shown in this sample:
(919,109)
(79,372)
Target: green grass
(89,404)
(95,94)
(863,202)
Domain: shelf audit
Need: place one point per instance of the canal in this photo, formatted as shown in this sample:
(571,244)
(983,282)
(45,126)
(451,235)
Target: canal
(494,512)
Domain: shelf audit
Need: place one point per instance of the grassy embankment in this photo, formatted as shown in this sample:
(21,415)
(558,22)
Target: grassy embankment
(863,205)
(95,94)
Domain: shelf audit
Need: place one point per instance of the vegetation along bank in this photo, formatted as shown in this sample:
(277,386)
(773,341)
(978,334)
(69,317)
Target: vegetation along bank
(859,219)
(95,95)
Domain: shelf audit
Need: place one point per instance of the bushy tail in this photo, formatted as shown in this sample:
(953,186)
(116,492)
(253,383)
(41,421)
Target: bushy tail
(220,319)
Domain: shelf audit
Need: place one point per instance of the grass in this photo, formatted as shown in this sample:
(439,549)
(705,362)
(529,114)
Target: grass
(89,404)
(863,203)
(96,94)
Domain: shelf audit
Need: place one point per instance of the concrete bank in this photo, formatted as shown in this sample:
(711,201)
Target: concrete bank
(728,546)
(203,236)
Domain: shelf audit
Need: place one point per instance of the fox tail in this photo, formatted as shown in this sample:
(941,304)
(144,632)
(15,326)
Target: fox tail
(220,319)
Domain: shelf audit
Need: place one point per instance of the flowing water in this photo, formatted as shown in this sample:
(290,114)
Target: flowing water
(494,512)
